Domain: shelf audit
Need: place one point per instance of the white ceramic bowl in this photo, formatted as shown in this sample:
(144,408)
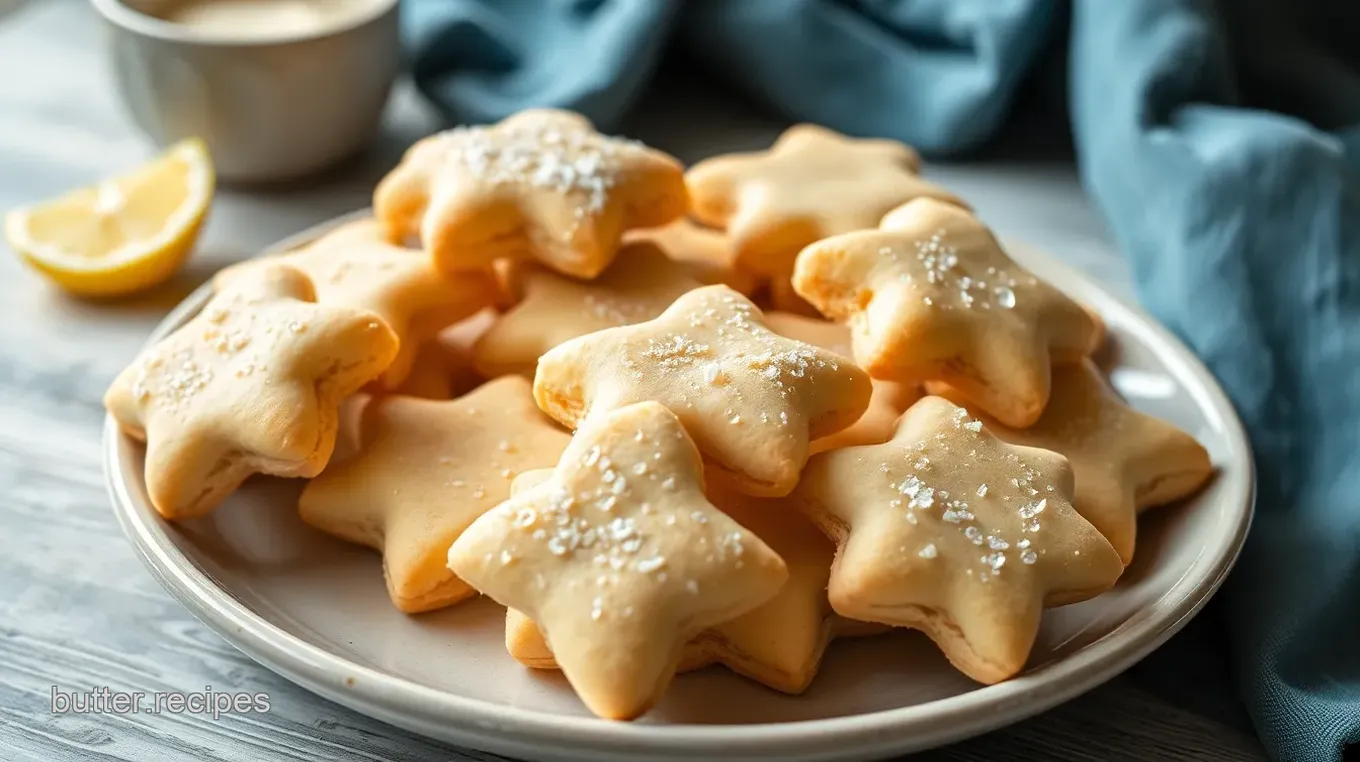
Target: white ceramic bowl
(272,106)
(316,610)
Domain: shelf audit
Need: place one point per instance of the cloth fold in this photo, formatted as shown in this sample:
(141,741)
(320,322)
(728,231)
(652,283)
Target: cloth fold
(1221,140)
(938,74)
(482,61)
(1243,229)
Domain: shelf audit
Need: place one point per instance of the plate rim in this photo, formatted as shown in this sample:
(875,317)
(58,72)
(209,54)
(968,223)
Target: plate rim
(515,730)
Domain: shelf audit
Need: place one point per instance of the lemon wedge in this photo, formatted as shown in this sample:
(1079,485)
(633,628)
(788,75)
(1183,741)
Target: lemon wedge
(124,235)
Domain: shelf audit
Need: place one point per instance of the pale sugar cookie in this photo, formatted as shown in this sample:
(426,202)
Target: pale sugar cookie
(779,643)
(348,434)
(931,295)
(542,183)
(443,368)
(1123,461)
(424,471)
(524,640)
(705,251)
(619,558)
(752,399)
(431,374)
(949,530)
(525,643)
(811,184)
(552,308)
(889,399)
(782,297)
(252,384)
(353,266)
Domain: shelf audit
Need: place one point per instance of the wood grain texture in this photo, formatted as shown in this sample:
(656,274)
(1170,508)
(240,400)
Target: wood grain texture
(78,610)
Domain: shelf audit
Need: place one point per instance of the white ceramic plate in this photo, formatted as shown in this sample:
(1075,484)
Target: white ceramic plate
(316,610)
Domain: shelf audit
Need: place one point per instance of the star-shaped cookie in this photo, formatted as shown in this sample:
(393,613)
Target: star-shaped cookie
(425,470)
(751,398)
(354,266)
(252,384)
(640,284)
(443,367)
(707,252)
(619,558)
(542,183)
(526,644)
(1123,461)
(811,184)
(949,530)
(780,642)
(442,370)
(931,295)
(887,403)
(782,297)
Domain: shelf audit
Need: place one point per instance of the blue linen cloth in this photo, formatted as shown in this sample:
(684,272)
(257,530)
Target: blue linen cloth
(1220,139)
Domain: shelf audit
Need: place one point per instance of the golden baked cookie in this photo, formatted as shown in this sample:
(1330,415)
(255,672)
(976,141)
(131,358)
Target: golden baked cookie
(353,266)
(779,643)
(542,183)
(812,183)
(619,558)
(348,433)
(782,297)
(443,368)
(887,403)
(707,252)
(424,471)
(252,384)
(931,295)
(552,308)
(949,530)
(751,398)
(526,644)
(1123,461)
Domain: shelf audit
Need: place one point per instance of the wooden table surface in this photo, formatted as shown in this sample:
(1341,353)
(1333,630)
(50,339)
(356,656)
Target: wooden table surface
(78,610)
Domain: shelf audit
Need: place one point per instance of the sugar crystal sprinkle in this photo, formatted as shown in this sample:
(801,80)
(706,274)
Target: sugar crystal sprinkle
(565,158)
(991,529)
(1033,509)
(713,373)
(649,565)
(676,351)
(938,264)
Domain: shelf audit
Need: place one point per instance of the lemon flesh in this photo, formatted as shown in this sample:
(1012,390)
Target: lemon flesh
(124,235)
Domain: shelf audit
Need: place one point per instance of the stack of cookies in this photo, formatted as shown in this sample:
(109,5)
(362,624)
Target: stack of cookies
(671,419)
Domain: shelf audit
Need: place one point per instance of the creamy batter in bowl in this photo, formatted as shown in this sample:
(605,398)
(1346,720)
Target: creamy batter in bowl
(277,88)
